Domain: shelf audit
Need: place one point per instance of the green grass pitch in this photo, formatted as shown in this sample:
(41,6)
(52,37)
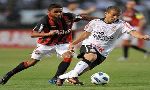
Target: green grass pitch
(133,74)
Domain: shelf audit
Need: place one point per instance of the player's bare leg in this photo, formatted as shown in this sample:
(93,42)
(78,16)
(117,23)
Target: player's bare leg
(19,68)
(125,49)
(80,67)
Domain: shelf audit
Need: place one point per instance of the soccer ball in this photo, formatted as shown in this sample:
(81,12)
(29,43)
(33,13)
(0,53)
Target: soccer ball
(100,78)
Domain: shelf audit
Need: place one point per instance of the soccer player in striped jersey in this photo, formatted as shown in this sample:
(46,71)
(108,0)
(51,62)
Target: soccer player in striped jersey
(98,40)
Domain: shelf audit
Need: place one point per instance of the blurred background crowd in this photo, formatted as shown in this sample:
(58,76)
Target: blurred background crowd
(20,13)
(24,14)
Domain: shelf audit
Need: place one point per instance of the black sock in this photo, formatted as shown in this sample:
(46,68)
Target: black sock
(125,51)
(139,49)
(19,68)
(62,68)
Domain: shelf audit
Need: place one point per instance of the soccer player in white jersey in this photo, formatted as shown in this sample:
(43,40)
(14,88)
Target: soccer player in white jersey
(98,41)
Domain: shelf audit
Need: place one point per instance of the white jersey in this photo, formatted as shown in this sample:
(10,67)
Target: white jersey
(103,36)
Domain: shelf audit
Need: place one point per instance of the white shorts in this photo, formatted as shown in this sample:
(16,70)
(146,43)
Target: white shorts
(43,50)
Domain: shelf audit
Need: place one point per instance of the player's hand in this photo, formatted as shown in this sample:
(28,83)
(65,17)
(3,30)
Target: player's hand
(53,32)
(68,54)
(146,37)
(71,47)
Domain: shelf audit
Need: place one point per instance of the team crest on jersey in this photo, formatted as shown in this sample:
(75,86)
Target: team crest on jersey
(113,28)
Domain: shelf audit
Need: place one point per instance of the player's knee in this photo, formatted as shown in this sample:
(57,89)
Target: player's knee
(67,59)
(90,56)
(126,43)
(30,63)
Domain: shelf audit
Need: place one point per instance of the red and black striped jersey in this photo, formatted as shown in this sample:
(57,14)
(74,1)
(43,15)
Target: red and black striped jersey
(132,17)
(63,25)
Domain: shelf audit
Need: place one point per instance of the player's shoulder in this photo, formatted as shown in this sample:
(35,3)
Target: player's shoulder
(69,15)
(43,20)
(96,20)
(119,21)
(124,23)
(44,17)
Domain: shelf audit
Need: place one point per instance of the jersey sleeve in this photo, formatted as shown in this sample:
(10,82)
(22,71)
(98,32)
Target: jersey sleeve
(71,16)
(40,25)
(75,17)
(89,26)
(126,28)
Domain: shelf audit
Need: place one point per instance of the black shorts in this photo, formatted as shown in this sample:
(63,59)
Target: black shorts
(89,49)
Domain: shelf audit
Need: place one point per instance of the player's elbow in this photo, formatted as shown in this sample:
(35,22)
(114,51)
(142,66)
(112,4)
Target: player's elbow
(32,36)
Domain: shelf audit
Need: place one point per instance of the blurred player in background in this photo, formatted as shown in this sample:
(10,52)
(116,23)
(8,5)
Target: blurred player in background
(98,39)
(54,32)
(137,20)
(73,7)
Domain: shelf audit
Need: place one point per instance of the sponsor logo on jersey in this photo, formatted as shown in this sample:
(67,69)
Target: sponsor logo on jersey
(64,32)
(102,36)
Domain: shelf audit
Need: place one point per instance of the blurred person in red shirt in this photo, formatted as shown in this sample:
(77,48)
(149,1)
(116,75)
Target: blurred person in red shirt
(137,20)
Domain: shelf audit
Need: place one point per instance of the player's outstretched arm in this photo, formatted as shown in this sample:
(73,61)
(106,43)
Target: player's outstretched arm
(84,17)
(81,37)
(139,35)
(87,17)
(35,34)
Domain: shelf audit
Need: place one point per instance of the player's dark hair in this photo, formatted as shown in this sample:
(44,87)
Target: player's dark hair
(51,6)
(115,8)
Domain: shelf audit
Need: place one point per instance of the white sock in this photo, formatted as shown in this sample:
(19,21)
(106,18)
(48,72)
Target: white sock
(79,68)
(66,75)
